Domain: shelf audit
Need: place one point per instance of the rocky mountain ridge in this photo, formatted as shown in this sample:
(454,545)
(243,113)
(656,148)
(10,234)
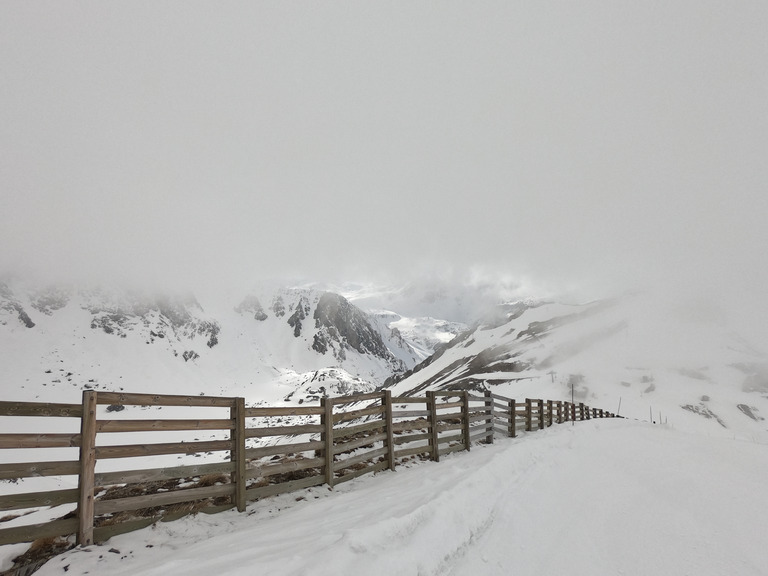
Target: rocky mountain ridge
(298,335)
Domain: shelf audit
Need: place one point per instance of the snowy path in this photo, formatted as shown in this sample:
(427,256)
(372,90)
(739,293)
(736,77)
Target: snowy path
(603,497)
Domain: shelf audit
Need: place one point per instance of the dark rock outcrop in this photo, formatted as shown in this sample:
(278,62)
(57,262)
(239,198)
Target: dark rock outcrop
(344,322)
(251,305)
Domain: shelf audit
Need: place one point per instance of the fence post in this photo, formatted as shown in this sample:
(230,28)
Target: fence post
(541,414)
(489,414)
(85,505)
(549,412)
(465,419)
(237,452)
(581,410)
(432,403)
(573,411)
(327,422)
(559,411)
(587,413)
(387,400)
(512,418)
(528,415)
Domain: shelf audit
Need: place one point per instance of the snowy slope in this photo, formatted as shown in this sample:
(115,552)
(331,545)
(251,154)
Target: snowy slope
(58,341)
(600,497)
(687,369)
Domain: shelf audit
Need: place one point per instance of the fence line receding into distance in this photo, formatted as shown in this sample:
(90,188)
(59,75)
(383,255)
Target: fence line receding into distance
(261,451)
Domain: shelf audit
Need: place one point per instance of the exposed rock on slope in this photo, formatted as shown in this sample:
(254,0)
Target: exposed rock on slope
(339,321)
(177,318)
(637,350)
(11,308)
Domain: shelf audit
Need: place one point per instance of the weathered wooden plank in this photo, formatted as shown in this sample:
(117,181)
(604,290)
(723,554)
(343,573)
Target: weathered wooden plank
(389,442)
(156,474)
(46,409)
(410,414)
(237,453)
(134,450)
(261,412)
(479,433)
(12,441)
(364,457)
(504,400)
(284,487)
(409,400)
(357,429)
(447,405)
(254,453)
(355,398)
(33,469)
(32,532)
(38,499)
(358,442)
(465,421)
(512,419)
(355,414)
(283,430)
(161,425)
(408,438)
(162,498)
(85,504)
(478,417)
(283,467)
(104,533)
(410,425)
(448,393)
(472,398)
(327,439)
(378,467)
(423,449)
(528,415)
(500,430)
(454,438)
(433,426)
(124,398)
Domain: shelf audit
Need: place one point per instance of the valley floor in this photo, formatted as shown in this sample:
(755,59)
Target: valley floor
(600,497)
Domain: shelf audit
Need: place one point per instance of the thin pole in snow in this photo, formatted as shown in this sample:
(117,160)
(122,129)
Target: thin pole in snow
(619,410)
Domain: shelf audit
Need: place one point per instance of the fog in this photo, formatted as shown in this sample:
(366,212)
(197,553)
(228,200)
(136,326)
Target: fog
(584,148)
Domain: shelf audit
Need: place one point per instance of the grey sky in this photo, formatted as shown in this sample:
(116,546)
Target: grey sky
(575,144)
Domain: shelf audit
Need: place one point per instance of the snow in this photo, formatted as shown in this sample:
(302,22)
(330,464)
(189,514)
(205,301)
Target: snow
(636,351)
(598,497)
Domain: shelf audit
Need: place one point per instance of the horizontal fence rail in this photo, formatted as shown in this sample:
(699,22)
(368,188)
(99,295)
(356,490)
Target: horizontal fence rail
(262,451)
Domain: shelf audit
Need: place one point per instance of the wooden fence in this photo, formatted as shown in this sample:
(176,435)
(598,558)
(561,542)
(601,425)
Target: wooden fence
(263,451)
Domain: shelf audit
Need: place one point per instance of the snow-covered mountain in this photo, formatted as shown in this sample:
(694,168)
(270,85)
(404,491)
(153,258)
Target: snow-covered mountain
(681,365)
(289,343)
(297,344)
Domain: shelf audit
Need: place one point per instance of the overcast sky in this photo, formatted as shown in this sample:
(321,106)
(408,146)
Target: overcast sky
(575,145)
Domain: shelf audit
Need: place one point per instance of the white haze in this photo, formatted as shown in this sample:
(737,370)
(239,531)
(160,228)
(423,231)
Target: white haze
(581,148)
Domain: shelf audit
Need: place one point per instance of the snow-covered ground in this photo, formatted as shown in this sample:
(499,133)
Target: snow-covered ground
(598,497)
